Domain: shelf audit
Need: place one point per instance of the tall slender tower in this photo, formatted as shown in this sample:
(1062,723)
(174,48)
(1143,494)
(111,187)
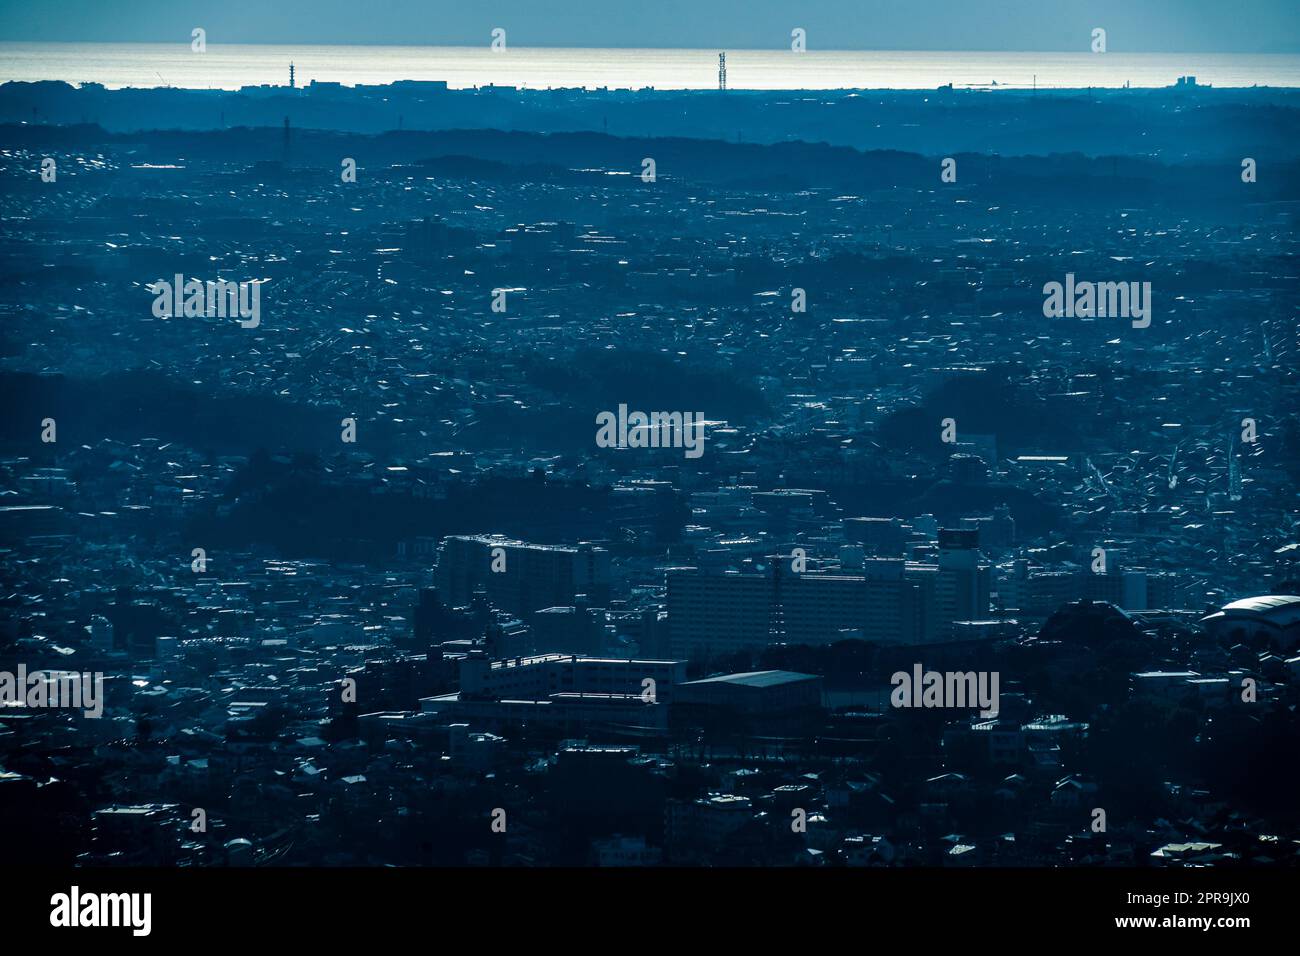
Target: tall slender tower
(291,83)
(722,71)
(776,610)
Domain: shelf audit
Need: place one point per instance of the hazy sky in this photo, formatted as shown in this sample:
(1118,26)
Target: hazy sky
(1246,26)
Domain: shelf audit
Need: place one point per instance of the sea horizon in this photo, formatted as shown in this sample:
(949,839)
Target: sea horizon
(232,66)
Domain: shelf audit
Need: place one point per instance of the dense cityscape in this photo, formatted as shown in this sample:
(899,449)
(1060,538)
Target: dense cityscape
(608,490)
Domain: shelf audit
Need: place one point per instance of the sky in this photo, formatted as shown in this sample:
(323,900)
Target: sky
(1133,26)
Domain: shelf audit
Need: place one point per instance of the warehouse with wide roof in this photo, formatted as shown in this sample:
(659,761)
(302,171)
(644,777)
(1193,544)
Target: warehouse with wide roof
(1274,616)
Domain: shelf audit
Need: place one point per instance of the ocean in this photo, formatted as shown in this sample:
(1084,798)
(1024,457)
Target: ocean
(229,67)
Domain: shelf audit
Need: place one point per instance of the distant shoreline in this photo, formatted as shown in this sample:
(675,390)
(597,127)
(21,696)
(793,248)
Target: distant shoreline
(270,89)
(234,66)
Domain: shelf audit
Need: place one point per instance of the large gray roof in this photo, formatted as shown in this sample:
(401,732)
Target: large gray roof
(1280,609)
